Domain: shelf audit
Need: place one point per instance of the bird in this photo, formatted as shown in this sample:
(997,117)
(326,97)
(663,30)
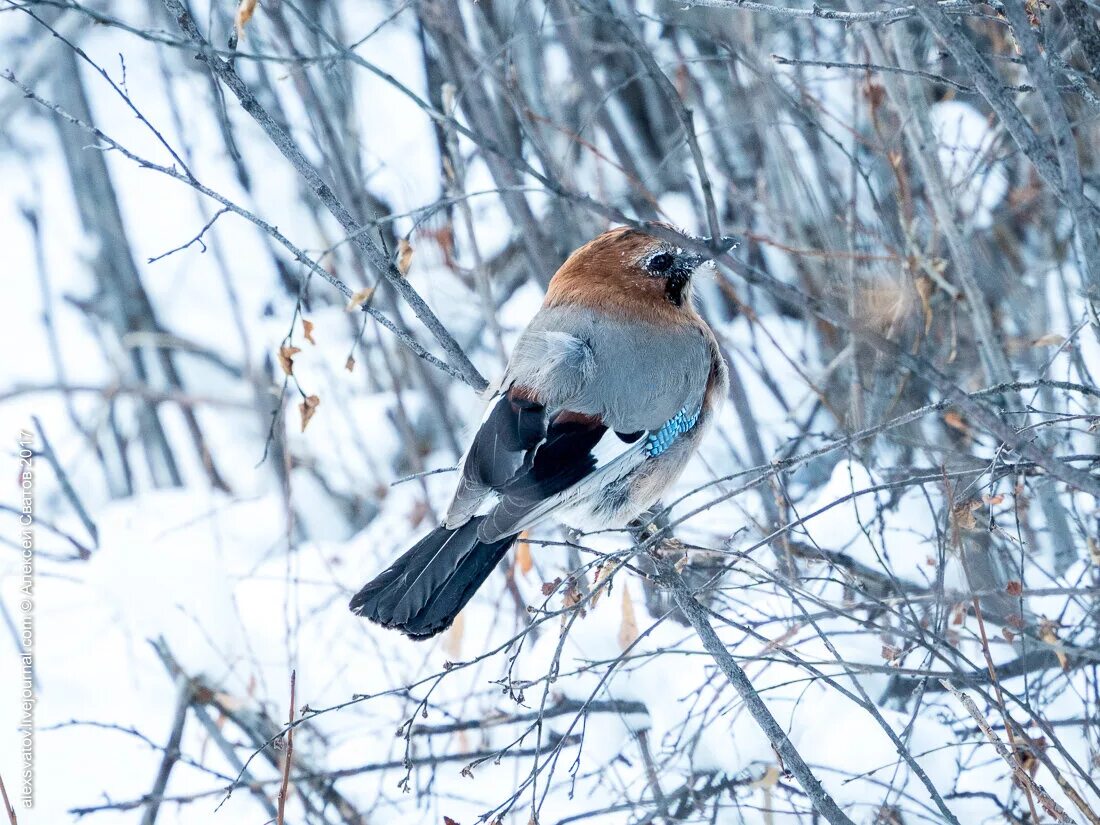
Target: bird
(607,394)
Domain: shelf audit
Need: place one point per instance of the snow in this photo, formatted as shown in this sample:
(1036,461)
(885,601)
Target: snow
(245,588)
(966,143)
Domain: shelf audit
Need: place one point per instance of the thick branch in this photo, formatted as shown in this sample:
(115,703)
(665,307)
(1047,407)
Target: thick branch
(792,759)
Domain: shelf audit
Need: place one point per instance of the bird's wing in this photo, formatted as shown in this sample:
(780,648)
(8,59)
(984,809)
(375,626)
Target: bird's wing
(578,456)
(579,401)
(516,419)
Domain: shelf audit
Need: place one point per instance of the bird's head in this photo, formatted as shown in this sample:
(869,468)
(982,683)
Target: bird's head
(632,272)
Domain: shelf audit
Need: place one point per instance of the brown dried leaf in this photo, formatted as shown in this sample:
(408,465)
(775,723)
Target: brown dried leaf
(924,290)
(307,331)
(963,515)
(993,501)
(245,10)
(1014,588)
(286,358)
(571,598)
(1094,550)
(875,93)
(956,422)
(1049,634)
(1051,339)
(628,627)
(404,256)
(770,778)
(359,298)
(959,615)
(452,643)
(1008,634)
(550,587)
(307,408)
(524,562)
(890,653)
(603,573)
(420,511)
(349,365)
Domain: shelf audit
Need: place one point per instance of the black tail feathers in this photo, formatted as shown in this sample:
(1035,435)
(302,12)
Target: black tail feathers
(421,593)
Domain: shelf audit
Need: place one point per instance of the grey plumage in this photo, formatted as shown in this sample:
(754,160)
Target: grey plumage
(633,375)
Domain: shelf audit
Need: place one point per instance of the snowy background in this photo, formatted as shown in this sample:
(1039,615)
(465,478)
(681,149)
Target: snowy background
(196,544)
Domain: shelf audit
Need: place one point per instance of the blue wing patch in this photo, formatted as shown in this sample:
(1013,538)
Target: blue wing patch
(656,443)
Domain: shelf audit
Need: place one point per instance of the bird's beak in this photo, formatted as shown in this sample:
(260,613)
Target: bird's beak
(721,245)
(718,246)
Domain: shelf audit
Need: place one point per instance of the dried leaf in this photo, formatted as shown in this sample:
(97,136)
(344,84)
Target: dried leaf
(245,10)
(524,562)
(956,422)
(628,628)
(993,501)
(1051,339)
(1014,588)
(602,583)
(307,408)
(286,358)
(924,290)
(420,511)
(1008,634)
(404,256)
(875,94)
(448,821)
(769,780)
(1094,550)
(1048,633)
(959,615)
(550,587)
(452,643)
(349,365)
(359,298)
(447,93)
(571,598)
(307,331)
(962,516)
(890,653)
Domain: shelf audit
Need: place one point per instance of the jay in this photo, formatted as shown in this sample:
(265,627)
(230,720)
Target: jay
(607,395)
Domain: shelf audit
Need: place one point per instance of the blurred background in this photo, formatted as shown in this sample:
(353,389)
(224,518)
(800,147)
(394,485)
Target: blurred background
(245,394)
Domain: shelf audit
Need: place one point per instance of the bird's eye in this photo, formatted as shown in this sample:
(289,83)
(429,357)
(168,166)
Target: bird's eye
(660,263)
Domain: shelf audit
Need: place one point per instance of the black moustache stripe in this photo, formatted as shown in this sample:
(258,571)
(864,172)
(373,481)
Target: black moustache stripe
(674,287)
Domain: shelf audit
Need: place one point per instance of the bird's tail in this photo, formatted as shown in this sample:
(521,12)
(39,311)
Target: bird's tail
(421,593)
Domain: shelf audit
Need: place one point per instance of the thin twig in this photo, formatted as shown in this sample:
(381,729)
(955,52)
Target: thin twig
(1022,776)
(288,754)
(285,144)
(8,809)
(66,485)
(171,750)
